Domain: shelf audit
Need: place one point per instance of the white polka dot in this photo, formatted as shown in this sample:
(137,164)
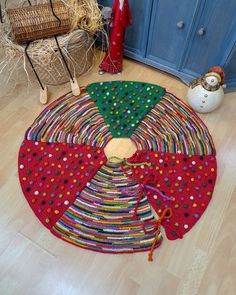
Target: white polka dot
(50,155)
(22,166)
(148,89)
(186,226)
(66,202)
(160,161)
(64,159)
(191,197)
(89,156)
(155,197)
(128,111)
(193,162)
(142,166)
(179,178)
(107,93)
(36,193)
(132,125)
(178,152)
(36,143)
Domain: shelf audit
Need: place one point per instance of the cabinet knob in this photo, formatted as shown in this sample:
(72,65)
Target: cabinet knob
(180,24)
(201,32)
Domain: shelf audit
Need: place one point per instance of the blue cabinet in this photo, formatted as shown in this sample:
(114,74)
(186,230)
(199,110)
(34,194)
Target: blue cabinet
(169,29)
(184,37)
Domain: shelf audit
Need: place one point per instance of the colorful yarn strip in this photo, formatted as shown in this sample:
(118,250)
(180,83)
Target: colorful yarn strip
(71,120)
(171,126)
(101,218)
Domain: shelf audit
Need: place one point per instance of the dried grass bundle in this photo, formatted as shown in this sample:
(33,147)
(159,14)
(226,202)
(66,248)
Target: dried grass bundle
(85,14)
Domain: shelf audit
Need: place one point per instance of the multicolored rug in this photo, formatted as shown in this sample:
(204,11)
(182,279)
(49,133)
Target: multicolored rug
(118,205)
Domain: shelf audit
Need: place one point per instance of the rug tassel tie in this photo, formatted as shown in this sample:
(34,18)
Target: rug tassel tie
(117,160)
(143,187)
(167,213)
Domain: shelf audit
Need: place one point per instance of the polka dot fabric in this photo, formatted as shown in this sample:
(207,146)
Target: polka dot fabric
(85,199)
(183,183)
(124,104)
(52,174)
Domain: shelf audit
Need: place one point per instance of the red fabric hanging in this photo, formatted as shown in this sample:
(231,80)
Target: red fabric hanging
(112,62)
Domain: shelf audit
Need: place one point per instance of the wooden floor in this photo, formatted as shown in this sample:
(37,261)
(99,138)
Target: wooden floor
(33,262)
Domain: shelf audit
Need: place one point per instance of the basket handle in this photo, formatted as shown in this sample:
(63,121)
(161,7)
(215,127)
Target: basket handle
(54,13)
(1,17)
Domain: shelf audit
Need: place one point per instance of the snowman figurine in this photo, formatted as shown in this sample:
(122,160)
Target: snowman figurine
(206,93)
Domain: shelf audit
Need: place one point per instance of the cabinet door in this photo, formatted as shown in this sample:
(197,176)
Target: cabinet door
(210,36)
(230,68)
(137,34)
(171,22)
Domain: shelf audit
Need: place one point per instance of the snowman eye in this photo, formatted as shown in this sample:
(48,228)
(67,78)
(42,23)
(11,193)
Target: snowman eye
(212,80)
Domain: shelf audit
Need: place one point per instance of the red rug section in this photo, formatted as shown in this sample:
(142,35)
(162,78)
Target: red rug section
(177,181)
(53,174)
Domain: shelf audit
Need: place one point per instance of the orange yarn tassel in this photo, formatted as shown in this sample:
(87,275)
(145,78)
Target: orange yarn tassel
(167,213)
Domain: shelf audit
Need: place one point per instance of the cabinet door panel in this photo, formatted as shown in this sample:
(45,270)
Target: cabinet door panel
(210,36)
(169,30)
(137,34)
(230,66)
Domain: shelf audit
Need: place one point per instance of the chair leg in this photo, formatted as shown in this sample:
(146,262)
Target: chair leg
(43,91)
(75,87)
(73,82)
(43,95)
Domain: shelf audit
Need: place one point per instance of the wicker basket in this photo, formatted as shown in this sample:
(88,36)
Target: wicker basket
(37,21)
(76,47)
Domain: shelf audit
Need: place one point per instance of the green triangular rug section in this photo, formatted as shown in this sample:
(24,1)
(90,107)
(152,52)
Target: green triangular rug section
(123,104)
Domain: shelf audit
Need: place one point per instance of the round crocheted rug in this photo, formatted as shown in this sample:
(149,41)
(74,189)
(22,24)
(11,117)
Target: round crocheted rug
(118,205)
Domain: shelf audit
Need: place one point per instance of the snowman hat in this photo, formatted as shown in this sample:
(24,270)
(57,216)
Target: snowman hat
(217,72)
